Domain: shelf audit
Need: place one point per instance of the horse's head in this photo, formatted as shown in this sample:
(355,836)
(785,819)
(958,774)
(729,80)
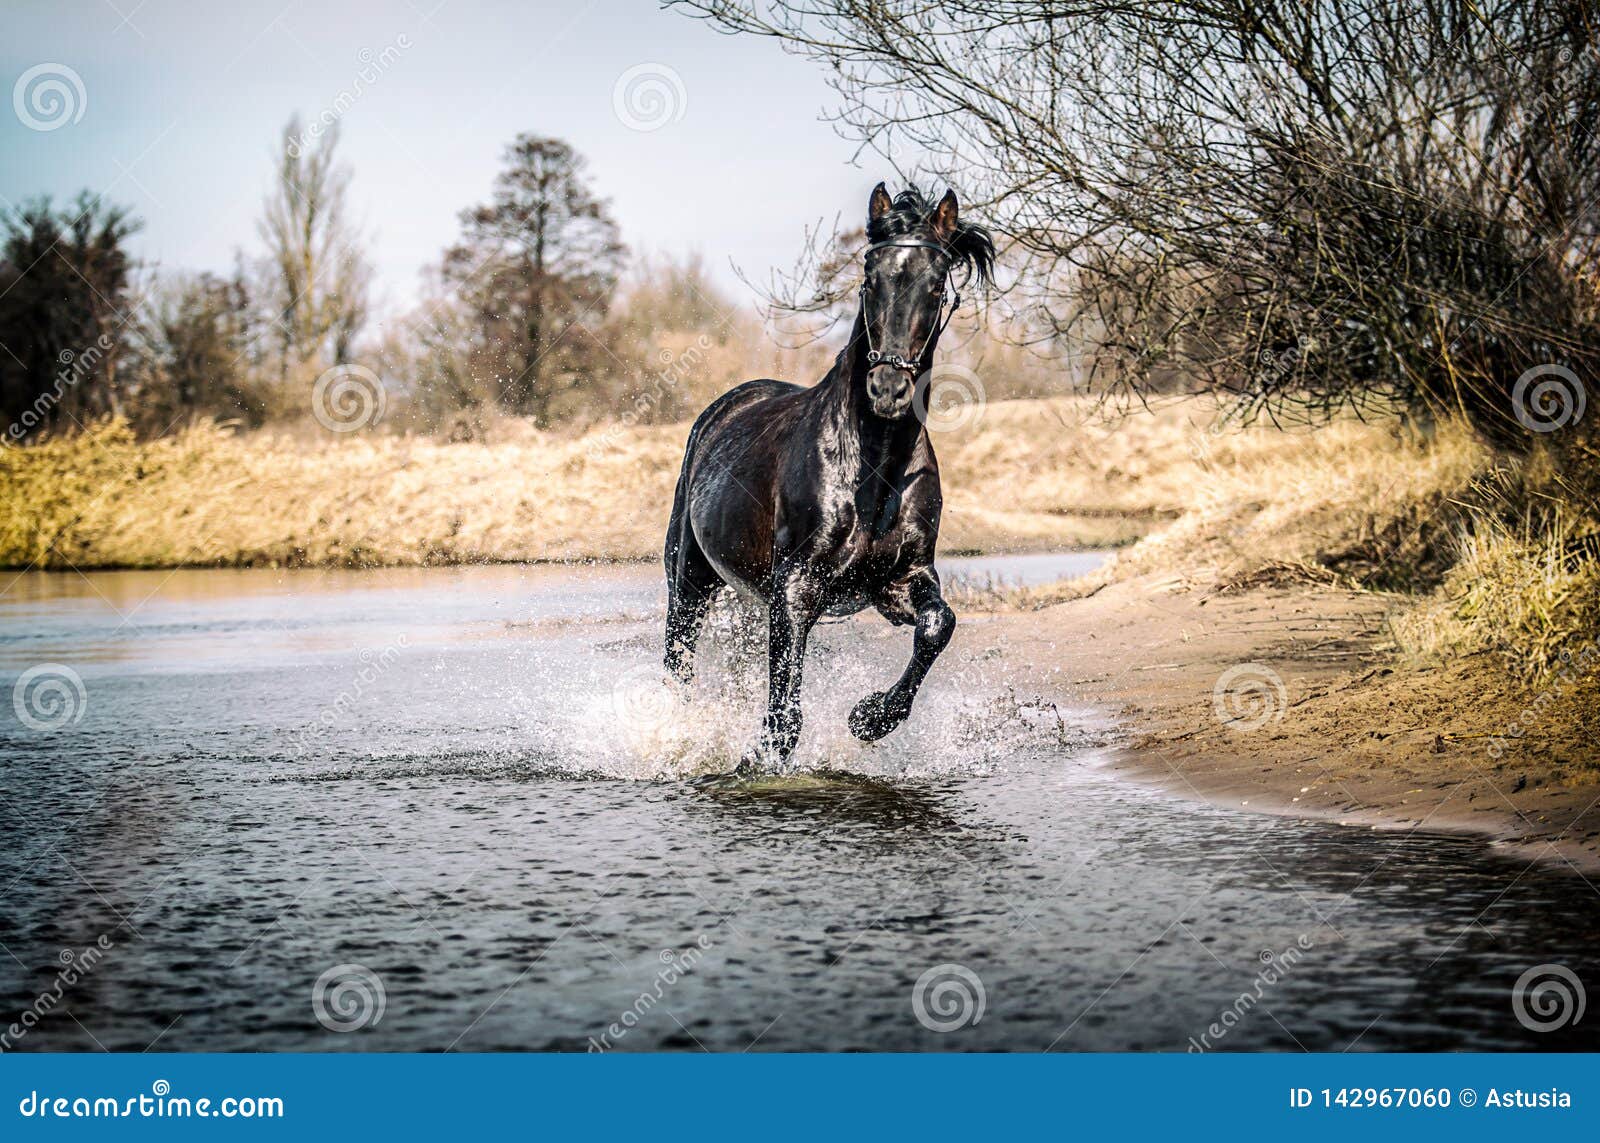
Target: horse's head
(907,294)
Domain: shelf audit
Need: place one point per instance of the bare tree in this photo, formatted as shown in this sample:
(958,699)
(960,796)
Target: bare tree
(318,275)
(1316,202)
(193,356)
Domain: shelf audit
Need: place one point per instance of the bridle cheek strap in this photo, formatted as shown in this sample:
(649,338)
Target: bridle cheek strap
(894,360)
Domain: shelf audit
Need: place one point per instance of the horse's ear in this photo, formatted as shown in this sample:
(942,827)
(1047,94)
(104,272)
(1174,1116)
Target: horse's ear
(880,203)
(946,216)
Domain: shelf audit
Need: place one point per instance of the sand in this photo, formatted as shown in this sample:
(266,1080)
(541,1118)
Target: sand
(1284,700)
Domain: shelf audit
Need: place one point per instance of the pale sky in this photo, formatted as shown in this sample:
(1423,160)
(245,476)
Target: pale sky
(172,107)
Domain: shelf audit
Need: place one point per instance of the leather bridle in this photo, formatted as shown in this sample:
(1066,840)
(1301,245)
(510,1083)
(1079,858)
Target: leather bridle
(894,360)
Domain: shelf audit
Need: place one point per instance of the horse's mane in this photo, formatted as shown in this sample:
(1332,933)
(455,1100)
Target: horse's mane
(971,245)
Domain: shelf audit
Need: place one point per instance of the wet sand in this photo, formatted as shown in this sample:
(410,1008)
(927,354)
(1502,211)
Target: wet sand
(1317,718)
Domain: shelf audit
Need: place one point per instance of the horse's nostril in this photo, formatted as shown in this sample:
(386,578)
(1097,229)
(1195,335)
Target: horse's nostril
(888,384)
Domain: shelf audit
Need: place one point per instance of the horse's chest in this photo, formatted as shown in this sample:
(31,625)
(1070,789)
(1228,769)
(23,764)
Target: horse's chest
(876,506)
(870,530)
(872,544)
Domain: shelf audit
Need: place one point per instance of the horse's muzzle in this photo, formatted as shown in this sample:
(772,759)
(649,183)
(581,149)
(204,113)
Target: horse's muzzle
(889,391)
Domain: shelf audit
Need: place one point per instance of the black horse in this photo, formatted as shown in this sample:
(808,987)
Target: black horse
(826,500)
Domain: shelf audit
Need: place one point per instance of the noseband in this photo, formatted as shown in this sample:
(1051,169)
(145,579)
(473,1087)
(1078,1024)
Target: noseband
(894,360)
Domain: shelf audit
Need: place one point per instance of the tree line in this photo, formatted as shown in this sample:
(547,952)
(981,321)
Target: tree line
(529,313)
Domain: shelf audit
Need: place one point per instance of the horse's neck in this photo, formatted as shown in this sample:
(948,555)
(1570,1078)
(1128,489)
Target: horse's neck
(869,448)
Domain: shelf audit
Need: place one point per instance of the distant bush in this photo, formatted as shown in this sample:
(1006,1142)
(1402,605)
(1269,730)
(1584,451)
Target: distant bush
(65,309)
(195,359)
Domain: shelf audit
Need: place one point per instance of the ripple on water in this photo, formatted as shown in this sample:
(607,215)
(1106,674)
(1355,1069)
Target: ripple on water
(492,818)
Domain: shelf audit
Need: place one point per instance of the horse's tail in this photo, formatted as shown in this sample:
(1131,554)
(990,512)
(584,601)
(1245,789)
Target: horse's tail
(679,520)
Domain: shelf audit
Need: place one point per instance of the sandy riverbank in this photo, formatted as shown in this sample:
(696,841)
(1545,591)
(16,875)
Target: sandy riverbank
(1284,700)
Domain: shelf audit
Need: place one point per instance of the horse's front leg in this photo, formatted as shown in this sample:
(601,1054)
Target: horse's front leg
(793,610)
(915,599)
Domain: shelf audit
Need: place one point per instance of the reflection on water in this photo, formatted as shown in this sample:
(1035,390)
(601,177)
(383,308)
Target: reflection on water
(281,774)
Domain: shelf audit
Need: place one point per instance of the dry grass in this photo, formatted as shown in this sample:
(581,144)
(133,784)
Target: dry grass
(1353,504)
(1530,596)
(206,497)
(1370,502)
(1027,475)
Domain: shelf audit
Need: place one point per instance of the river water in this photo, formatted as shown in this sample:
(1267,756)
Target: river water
(453,809)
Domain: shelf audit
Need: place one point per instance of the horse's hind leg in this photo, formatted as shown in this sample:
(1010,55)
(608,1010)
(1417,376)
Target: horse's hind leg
(692,584)
(690,593)
(915,600)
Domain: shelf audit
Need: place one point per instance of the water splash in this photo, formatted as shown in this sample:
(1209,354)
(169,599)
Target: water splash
(967,720)
(591,700)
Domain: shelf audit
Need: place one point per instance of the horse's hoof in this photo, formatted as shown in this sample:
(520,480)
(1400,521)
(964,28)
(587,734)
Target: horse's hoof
(745,771)
(874,717)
